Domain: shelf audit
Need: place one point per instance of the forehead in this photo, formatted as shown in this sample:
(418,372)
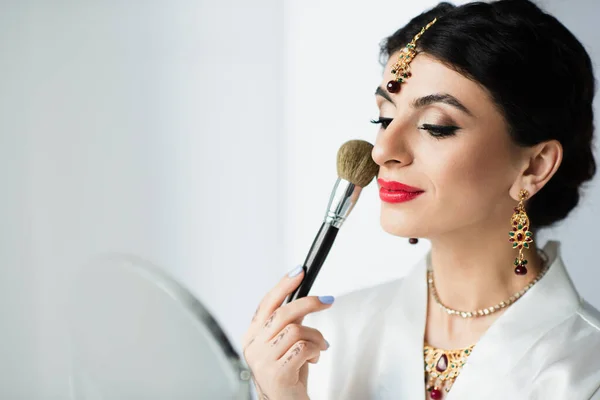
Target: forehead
(430,76)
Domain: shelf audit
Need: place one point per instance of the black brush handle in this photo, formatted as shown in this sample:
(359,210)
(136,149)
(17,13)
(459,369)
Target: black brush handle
(314,260)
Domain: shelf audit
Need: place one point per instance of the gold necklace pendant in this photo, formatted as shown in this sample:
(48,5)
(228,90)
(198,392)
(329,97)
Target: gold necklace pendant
(442,367)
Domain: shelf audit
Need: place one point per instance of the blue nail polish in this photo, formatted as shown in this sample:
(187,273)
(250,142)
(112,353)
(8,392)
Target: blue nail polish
(327,343)
(326,299)
(295,272)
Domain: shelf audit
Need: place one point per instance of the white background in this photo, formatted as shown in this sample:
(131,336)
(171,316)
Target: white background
(201,136)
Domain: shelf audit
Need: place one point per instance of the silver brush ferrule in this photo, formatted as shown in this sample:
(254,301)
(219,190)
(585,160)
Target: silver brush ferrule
(342,200)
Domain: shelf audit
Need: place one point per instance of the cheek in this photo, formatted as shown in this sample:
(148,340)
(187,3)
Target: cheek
(465,180)
(471,174)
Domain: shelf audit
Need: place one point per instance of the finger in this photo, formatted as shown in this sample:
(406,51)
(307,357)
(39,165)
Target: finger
(293,312)
(314,360)
(291,334)
(275,297)
(297,356)
(288,313)
(273,300)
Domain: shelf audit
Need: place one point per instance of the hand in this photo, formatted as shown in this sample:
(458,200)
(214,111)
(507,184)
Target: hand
(277,347)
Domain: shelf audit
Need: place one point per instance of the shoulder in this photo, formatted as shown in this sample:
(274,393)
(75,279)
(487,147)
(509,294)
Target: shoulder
(579,335)
(590,316)
(572,357)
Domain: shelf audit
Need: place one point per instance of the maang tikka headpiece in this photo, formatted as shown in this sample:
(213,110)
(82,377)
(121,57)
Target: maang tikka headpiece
(401,69)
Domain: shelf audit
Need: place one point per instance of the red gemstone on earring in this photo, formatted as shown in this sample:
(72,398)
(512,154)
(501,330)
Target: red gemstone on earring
(519,237)
(515,223)
(514,229)
(525,229)
(520,246)
(511,240)
(521,270)
(435,394)
(528,239)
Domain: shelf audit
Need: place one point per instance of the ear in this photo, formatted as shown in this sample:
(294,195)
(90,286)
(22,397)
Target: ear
(540,163)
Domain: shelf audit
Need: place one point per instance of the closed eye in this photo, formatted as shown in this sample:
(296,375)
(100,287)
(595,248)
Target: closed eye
(436,131)
(385,122)
(440,131)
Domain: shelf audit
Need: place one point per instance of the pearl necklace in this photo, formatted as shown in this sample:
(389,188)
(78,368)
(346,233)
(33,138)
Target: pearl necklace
(490,310)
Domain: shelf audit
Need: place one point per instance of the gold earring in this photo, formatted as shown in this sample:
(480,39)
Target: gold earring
(520,236)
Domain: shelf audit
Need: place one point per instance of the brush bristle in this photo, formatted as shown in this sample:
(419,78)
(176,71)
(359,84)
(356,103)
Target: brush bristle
(355,164)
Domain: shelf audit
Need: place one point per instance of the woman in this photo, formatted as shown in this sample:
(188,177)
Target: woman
(485,138)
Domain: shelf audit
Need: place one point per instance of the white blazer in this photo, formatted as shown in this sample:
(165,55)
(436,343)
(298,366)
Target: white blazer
(545,346)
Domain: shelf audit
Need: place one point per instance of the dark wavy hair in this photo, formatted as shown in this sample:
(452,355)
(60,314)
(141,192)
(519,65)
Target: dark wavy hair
(538,74)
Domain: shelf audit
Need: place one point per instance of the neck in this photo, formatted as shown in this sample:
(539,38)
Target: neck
(474,269)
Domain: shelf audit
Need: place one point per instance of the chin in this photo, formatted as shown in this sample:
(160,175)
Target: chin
(400,222)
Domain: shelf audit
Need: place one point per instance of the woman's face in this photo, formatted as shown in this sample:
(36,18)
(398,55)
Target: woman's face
(446,138)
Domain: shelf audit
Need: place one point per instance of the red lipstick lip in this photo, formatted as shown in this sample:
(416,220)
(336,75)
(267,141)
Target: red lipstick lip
(396,192)
(397,187)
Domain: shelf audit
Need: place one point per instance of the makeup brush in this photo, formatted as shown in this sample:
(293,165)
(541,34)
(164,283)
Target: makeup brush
(356,169)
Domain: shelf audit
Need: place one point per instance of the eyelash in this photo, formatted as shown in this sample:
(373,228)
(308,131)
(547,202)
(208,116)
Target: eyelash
(437,131)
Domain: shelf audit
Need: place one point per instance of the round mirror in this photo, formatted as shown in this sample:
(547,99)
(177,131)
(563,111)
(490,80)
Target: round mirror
(135,333)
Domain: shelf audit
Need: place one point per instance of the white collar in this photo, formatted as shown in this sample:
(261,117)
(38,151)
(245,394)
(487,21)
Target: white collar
(551,300)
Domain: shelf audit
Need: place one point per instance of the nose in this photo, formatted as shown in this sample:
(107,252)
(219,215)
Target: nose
(392,146)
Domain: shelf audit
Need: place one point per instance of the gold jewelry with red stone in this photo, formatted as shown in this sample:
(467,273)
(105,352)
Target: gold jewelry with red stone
(520,236)
(401,69)
(442,367)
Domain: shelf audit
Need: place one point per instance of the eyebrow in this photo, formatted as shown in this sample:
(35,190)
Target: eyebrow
(428,100)
(383,93)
